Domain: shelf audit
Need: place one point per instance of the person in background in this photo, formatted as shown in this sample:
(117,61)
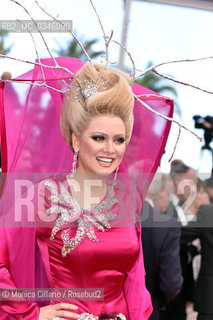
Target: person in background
(209,187)
(161,241)
(200,197)
(202,228)
(176,162)
(184,183)
(6,75)
(159,192)
(184,179)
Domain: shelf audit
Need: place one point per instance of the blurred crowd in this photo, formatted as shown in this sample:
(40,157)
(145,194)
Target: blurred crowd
(177,237)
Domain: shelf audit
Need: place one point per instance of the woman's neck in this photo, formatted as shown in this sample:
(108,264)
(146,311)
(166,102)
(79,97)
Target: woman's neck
(87,189)
(86,177)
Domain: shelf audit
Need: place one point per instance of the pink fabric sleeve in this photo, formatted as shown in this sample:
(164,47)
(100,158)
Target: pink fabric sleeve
(10,309)
(14,309)
(137,296)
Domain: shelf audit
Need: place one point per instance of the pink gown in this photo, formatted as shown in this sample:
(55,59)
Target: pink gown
(113,264)
(103,264)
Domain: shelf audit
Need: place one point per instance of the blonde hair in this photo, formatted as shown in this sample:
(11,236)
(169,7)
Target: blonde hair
(113,97)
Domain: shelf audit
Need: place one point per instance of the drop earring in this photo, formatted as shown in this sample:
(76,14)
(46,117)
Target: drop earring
(74,164)
(115,177)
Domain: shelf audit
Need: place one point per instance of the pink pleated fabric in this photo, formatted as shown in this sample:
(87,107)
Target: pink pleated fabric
(33,149)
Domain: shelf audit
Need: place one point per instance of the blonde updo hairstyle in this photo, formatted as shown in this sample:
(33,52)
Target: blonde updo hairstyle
(113,97)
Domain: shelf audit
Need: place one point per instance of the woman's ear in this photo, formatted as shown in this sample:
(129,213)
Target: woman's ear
(75,142)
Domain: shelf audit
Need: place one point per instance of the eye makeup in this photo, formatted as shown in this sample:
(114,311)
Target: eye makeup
(99,137)
(120,140)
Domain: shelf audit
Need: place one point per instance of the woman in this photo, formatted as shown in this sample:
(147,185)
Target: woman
(97,124)
(91,240)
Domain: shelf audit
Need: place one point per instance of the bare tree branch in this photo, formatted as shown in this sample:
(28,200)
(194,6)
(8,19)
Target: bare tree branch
(39,64)
(34,84)
(153,69)
(168,119)
(48,50)
(106,38)
(170,62)
(181,82)
(165,117)
(61,23)
(176,143)
(42,66)
(131,59)
(42,70)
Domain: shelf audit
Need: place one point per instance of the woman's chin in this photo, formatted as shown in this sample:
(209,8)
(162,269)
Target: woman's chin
(98,171)
(104,173)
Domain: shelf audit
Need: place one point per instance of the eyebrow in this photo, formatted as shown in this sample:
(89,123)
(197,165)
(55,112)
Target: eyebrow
(104,134)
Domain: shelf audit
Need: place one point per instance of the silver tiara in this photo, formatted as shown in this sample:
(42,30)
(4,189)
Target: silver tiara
(89,88)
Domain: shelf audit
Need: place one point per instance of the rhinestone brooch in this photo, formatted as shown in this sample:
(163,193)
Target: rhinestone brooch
(71,215)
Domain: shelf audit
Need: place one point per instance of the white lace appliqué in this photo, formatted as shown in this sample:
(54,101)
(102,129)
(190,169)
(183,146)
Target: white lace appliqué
(71,215)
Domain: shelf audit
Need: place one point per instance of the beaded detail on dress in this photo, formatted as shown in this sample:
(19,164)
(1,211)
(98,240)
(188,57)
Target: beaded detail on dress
(90,316)
(72,215)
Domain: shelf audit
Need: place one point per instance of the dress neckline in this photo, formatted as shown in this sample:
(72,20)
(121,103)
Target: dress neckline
(70,191)
(70,213)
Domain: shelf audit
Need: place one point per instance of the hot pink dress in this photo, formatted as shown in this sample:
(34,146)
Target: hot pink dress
(111,266)
(103,264)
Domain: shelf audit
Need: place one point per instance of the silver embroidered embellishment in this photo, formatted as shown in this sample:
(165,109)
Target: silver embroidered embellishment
(87,316)
(89,90)
(71,215)
(121,316)
(90,316)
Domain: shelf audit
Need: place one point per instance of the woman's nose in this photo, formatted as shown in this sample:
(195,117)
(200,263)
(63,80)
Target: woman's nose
(109,146)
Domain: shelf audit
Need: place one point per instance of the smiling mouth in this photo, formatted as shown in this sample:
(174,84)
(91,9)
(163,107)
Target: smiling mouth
(103,161)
